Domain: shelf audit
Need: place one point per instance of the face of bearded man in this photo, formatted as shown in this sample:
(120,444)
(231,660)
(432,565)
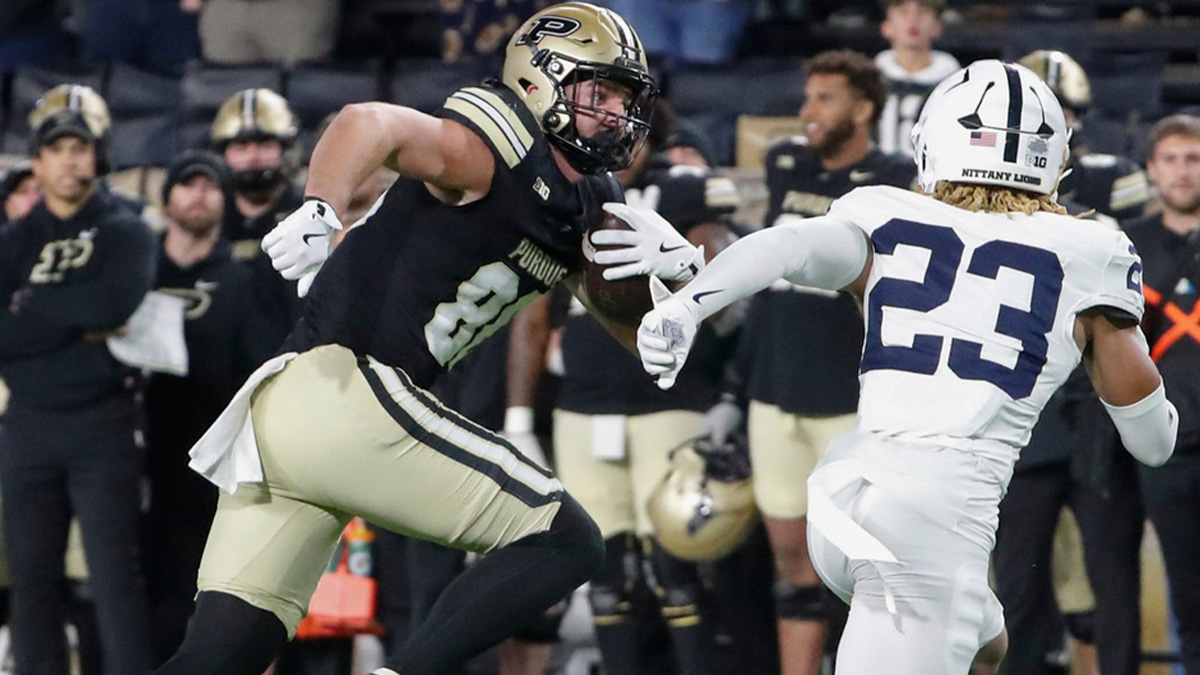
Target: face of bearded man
(196,205)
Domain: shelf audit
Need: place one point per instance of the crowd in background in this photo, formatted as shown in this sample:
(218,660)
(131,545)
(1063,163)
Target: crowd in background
(94,447)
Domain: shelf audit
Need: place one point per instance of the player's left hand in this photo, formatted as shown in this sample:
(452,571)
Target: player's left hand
(666,334)
(653,247)
(300,243)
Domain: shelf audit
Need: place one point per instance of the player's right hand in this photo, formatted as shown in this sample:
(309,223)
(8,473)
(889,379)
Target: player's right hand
(300,243)
(666,334)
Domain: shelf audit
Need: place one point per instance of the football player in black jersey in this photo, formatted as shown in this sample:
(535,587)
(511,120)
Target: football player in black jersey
(254,131)
(794,330)
(614,429)
(495,193)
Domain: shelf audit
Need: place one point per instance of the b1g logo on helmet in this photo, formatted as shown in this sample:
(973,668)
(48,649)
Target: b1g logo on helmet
(552,26)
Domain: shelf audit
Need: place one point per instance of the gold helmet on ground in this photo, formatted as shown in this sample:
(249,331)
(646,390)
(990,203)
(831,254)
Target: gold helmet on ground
(704,507)
(575,42)
(254,115)
(1065,77)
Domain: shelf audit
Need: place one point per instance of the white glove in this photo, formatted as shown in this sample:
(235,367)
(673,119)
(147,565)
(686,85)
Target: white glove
(653,247)
(722,420)
(299,244)
(518,430)
(666,335)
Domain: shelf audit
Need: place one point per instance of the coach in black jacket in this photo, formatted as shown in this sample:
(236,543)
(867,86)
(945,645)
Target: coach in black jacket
(71,273)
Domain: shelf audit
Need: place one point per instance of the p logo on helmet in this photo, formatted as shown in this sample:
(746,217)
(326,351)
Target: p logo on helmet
(555,26)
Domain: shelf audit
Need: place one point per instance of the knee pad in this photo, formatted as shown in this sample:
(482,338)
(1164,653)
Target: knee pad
(611,592)
(1082,626)
(227,636)
(800,603)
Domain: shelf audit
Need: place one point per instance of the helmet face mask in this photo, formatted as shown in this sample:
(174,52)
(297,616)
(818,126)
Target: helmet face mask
(991,123)
(555,54)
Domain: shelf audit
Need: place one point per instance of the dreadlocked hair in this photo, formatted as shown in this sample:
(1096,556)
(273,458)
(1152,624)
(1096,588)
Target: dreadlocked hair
(994,199)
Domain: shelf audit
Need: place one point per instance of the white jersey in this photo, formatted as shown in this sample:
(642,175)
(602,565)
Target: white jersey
(970,316)
(906,96)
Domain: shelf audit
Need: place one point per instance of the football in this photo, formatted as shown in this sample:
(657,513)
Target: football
(624,301)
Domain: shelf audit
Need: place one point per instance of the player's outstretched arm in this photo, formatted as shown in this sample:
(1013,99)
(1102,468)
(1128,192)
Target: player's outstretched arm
(364,136)
(820,252)
(1130,387)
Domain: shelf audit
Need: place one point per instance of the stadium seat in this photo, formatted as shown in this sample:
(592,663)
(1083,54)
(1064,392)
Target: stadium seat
(135,93)
(150,140)
(1124,83)
(424,84)
(714,97)
(314,91)
(206,87)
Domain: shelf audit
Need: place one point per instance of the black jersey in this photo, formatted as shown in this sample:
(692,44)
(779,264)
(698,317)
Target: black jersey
(801,346)
(225,342)
(1114,186)
(420,283)
(603,378)
(1171,277)
(275,298)
(68,278)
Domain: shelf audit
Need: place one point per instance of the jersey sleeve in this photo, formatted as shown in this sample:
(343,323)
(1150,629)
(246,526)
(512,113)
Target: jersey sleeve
(1130,191)
(499,118)
(1121,280)
(861,206)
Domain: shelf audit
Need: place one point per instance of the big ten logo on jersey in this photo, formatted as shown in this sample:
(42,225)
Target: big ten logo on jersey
(59,256)
(553,26)
(197,300)
(925,261)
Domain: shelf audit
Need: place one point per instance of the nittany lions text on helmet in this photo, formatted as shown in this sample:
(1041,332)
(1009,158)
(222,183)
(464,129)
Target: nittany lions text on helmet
(992,123)
(575,42)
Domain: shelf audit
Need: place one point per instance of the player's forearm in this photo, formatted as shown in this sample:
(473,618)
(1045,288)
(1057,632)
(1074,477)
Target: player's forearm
(818,252)
(527,352)
(358,141)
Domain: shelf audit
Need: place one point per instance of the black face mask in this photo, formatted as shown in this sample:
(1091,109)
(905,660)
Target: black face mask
(612,145)
(257,180)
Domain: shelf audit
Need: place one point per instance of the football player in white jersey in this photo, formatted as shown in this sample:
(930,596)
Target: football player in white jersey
(980,296)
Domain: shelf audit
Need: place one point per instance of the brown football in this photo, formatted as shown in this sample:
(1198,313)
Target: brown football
(624,301)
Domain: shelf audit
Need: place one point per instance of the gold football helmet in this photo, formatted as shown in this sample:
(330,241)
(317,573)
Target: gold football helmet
(71,110)
(1065,77)
(700,513)
(254,115)
(573,42)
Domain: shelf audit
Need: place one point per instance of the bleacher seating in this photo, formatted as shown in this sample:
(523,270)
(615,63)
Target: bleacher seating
(315,91)
(714,97)
(424,84)
(146,110)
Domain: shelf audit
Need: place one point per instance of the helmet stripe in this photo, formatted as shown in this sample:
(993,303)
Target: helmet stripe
(248,109)
(1015,103)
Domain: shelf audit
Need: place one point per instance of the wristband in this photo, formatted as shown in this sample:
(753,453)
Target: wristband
(518,419)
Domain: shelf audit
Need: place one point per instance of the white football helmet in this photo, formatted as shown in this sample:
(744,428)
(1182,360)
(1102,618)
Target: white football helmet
(992,123)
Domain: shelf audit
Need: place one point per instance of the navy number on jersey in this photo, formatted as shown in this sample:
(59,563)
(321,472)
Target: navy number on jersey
(946,251)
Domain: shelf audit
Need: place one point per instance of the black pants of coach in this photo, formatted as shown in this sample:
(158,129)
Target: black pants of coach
(52,466)
(1172,495)
(1111,526)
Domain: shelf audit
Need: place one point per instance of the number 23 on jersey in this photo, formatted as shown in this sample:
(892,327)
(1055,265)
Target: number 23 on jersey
(946,251)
